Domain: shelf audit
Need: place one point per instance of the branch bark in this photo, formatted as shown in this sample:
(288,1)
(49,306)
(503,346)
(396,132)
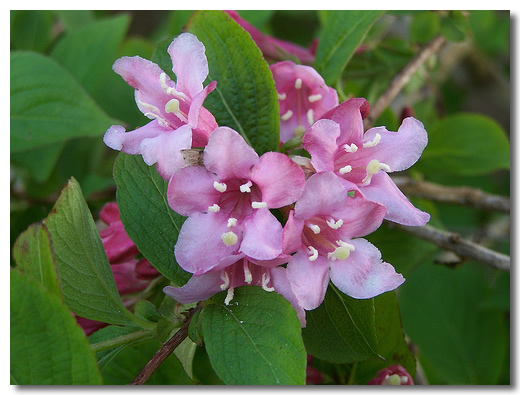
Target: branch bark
(165,351)
(460,246)
(463,196)
(402,78)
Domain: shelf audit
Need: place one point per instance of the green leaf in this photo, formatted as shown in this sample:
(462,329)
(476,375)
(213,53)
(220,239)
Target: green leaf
(424,26)
(455,26)
(47,346)
(31,29)
(148,219)
(245,98)
(342,34)
(255,339)
(75,19)
(465,144)
(33,254)
(89,52)
(341,329)
(86,279)
(48,105)
(39,161)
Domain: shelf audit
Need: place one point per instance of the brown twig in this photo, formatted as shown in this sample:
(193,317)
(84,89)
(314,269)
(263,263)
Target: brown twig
(165,351)
(460,246)
(464,196)
(402,78)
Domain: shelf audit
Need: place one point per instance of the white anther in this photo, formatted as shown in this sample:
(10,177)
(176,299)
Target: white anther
(172,106)
(287,115)
(229,238)
(150,107)
(258,204)
(220,186)
(248,277)
(170,90)
(224,277)
(152,115)
(246,187)
(298,83)
(314,98)
(313,252)
(374,142)
(372,168)
(214,209)
(335,224)
(341,252)
(346,169)
(299,130)
(315,228)
(350,148)
(282,96)
(229,296)
(231,222)
(265,281)
(310,116)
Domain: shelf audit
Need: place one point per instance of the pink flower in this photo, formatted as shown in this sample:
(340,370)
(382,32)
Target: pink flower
(178,119)
(228,201)
(337,144)
(392,375)
(323,229)
(303,97)
(271,47)
(118,246)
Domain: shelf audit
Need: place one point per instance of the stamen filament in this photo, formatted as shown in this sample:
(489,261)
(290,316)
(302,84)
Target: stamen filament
(224,277)
(229,296)
(248,277)
(265,280)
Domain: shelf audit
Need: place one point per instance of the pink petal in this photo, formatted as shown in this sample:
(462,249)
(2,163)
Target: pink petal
(191,190)
(200,248)
(125,278)
(118,246)
(198,288)
(130,142)
(309,279)
(320,142)
(190,64)
(110,213)
(382,189)
(400,149)
(363,275)
(200,119)
(280,179)
(282,286)
(292,234)
(262,235)
(349,117)
(228,155)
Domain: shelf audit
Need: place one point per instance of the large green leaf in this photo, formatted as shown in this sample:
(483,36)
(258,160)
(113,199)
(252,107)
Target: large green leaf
(341,36)
(48,105)
(85,276)
(255,340)
(245,98)
(465,144)
(47,346)
(148,219)
(341,329)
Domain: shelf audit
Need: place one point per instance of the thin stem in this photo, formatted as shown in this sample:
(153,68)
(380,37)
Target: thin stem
(121,340)
(455,243)
(165,351)
(402,79)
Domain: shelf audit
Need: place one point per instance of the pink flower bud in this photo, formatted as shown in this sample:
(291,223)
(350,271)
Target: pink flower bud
(392,375)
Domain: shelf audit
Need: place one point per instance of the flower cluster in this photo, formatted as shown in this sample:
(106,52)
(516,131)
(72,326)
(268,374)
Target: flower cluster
(232,236)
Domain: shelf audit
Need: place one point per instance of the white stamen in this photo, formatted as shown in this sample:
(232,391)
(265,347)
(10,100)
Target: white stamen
(231,222)
(404,379)
(265,281)
(287,115)
(229,296)
(335,224)
(246,187)
(248,277)
(372,168)
(150,107)
(315,228)
(313,98)
(220,186)
(298,83)
(282,96)
(172,106)
(170,90)
(313,252)
(224,277)
(350,148)
(229,238)
(342,252)
(374,142)
(346,169)
(310,116)
(214,209)
(152,115)
(258,204)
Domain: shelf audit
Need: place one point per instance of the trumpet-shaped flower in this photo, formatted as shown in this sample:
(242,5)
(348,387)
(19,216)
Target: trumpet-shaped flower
(323,229)
(228,200)
(337,144)
(178,120)
(303,96)
(392,375)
